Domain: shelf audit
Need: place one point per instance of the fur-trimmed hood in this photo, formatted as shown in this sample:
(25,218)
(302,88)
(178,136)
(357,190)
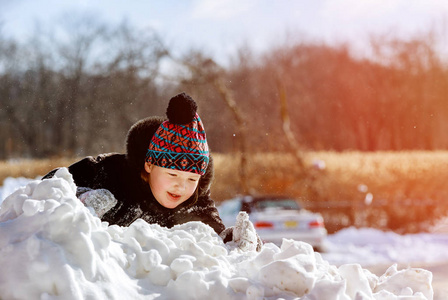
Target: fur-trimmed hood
(138,138)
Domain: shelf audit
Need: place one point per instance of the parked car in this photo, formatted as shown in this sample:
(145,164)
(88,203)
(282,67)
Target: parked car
(277,217)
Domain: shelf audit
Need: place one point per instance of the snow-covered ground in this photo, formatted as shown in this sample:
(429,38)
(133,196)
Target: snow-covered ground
(52,247)
(368,247)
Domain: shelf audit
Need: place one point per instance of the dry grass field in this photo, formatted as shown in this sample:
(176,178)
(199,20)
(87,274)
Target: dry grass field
(31,168)
(401,191)
(384,174)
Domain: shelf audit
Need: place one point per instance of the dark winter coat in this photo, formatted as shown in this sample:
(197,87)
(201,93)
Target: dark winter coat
(120,174)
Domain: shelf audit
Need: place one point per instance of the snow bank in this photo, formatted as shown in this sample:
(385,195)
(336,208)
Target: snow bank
(10,184)
(52,247)
(371,246)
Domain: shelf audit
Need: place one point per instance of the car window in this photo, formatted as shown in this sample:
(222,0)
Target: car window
(229,207)
(287,204)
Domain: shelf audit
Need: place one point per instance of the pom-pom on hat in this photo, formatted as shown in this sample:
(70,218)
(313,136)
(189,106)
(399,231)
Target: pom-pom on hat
(180,142)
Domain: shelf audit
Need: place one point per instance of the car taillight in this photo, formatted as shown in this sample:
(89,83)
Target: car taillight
(315,224)
(262,224)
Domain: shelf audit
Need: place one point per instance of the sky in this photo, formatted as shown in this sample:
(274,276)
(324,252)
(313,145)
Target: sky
(223,26)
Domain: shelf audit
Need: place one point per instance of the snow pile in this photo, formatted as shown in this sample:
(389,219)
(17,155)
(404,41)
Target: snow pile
(52,247)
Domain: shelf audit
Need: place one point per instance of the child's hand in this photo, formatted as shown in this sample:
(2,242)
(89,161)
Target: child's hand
(100,200)
(244,234)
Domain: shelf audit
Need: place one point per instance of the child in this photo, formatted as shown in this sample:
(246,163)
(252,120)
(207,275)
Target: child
(164,177)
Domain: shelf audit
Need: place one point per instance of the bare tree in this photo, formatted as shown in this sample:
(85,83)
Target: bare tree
(81,93)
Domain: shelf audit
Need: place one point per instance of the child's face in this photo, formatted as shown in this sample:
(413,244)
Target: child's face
(171,187)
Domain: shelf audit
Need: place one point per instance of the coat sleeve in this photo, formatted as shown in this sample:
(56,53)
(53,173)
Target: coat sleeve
(88,173)
(83,170)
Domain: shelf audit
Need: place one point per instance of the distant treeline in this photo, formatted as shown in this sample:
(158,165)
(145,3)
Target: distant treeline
(78,89)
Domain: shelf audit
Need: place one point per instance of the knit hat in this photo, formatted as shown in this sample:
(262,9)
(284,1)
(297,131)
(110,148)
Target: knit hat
(180,143)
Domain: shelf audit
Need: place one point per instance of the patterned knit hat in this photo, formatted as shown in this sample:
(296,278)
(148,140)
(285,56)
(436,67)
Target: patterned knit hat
(180,143)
